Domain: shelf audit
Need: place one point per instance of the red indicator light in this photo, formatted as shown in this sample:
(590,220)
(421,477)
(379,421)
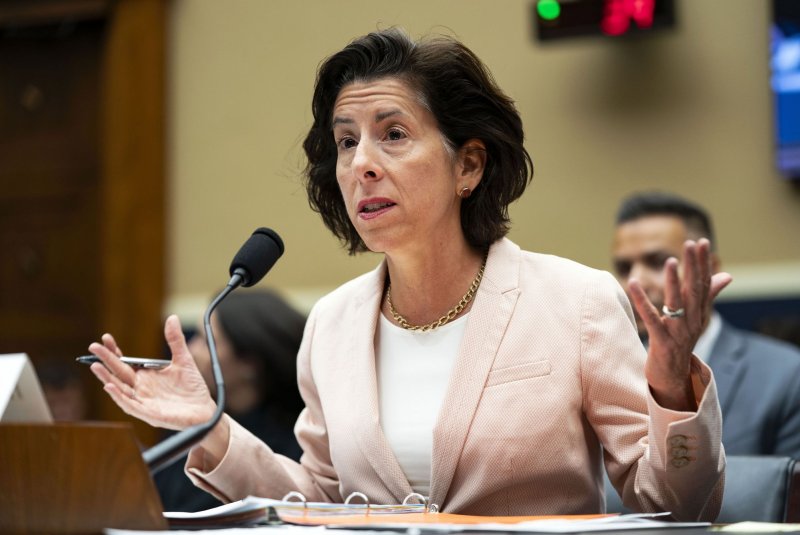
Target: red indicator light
(618,14)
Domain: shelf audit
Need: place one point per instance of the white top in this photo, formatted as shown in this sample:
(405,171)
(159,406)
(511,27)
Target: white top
(413,372)
(708,338)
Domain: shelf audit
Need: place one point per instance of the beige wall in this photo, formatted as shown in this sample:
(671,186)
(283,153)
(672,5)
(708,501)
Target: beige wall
(687,110)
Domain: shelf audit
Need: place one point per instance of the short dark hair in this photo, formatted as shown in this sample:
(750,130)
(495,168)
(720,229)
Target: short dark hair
(466,102)
(650,203)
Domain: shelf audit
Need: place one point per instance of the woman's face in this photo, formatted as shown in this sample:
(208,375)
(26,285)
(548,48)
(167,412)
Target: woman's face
(398,179)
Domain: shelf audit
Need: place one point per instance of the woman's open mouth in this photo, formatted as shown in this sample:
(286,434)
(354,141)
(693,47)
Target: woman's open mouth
(370,208)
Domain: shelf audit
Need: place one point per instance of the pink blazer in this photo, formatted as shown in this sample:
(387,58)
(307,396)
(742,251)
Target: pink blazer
(547,385)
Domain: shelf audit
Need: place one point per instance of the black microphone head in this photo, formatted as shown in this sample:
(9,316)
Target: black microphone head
(257,256)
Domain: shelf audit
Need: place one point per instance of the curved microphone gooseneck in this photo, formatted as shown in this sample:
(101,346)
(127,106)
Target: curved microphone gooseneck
(258,254)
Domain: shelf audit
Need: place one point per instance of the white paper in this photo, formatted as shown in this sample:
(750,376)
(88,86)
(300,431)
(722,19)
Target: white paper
(21,396)
(758,527)
(636,521)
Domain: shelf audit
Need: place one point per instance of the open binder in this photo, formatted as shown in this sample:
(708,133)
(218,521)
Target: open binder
(292,509)
(254,510)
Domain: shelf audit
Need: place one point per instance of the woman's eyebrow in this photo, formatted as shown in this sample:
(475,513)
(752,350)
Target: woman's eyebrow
(378,117)
(386,114)
(341,120)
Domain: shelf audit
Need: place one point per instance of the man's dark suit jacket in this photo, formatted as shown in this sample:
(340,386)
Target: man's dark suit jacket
(758,381)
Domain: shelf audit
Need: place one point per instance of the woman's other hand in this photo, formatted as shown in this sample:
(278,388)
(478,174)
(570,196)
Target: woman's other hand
(174,397)
(674,331)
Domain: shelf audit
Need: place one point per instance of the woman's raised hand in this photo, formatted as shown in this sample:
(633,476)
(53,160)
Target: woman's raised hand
(674,330)
(174,397)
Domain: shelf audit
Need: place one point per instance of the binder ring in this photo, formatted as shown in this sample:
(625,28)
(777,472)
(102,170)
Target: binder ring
(429,507)
(295,494)
(358,495)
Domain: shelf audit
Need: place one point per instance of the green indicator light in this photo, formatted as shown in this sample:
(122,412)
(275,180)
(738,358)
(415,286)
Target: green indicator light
(548,9)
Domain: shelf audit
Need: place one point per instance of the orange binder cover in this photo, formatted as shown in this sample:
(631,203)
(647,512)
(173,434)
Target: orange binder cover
(420,518)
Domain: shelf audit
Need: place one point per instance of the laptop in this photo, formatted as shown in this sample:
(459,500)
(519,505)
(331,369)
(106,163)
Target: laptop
(21,395)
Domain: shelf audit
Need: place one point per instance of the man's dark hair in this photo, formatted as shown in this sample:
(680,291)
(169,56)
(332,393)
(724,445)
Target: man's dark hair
(466,103)
(696,219)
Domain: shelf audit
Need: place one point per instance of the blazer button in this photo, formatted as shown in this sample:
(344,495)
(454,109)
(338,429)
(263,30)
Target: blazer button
(677,440)
(679,451)
(680,462)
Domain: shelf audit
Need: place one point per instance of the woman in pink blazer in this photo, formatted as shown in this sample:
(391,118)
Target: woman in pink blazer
(489,379)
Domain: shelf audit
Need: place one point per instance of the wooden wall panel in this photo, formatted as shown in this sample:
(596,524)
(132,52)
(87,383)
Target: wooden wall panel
(133,190)
(82,175)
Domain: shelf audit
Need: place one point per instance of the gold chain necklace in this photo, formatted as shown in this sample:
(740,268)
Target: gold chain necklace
(452,313)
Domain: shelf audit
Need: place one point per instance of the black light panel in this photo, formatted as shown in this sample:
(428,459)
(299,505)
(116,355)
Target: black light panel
(561,19)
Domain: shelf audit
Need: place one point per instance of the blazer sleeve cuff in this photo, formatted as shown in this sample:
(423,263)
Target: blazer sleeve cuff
(678,434)
(701,377)
(228,475)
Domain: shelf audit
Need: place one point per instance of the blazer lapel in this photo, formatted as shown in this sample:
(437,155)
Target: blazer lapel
(488,319)
(364,388)
(726,362)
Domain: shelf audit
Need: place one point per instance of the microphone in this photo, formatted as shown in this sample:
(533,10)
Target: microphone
(254,259)
(257,256)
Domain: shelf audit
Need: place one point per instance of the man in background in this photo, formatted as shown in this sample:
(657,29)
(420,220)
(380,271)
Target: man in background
(758,379)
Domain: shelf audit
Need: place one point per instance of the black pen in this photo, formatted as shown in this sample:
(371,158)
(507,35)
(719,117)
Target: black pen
(136,362)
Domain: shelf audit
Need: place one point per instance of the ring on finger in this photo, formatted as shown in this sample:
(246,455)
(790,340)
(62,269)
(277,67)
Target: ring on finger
(673,314)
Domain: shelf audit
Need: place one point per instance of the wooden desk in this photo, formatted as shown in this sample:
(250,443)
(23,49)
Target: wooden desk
(74,478)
